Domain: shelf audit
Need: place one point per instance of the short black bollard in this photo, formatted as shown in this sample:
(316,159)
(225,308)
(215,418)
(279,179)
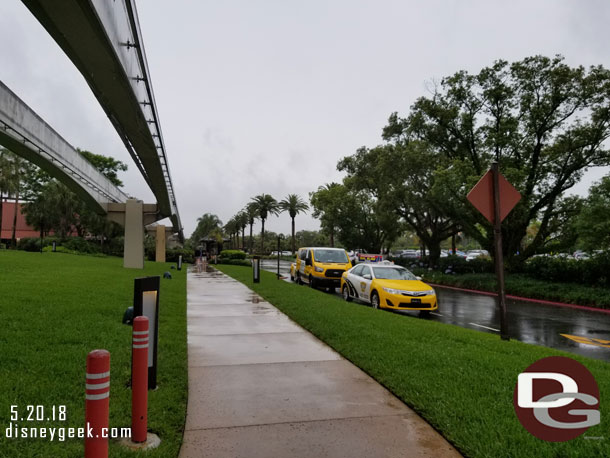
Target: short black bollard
(256,269)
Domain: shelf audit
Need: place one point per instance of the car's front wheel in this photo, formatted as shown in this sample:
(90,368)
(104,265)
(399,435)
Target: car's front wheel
(311,282)
(345,293)
(375,300)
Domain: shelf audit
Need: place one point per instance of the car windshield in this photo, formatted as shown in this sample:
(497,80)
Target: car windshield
(330,256)
(393,273)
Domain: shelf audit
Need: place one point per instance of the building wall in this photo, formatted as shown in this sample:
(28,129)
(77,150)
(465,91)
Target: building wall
(23,230)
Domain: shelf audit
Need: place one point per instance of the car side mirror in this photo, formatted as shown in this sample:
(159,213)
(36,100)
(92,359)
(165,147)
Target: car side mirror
(308,261)
(418,278)
(367,276)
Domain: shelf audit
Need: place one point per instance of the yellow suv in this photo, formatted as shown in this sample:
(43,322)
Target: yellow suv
(320,267)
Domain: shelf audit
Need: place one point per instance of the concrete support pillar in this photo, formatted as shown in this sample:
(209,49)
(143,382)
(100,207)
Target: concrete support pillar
(133,253)
(160,250)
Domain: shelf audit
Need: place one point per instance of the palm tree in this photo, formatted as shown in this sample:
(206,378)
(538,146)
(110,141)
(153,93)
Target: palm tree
(265,205)
(242,221)
(294,205)
(251,213)
(231,229)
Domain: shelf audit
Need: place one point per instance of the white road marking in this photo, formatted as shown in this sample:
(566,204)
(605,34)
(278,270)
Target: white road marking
(486,327)
(437,314)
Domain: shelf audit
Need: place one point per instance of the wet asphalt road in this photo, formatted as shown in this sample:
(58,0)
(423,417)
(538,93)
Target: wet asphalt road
(528,322)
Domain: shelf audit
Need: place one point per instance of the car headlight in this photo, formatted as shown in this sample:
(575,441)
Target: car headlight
(392,291)
(319,269)
(429,292)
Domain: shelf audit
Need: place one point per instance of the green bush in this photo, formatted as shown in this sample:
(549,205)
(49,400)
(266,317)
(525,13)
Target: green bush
(450,264)
(232,254)
(30,244)
(234,262)
(188,256)
(594,271)
(63,249)
(81,245)
(114,247)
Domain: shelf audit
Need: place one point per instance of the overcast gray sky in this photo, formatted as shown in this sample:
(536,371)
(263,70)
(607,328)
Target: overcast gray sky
(266,96)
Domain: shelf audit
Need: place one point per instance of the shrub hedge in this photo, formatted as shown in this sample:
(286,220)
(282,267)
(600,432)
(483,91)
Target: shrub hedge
(231,254)
(450,264)
(594,271)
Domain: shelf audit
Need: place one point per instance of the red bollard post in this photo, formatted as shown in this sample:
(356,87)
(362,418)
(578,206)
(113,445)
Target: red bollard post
(139,380)
(97,400)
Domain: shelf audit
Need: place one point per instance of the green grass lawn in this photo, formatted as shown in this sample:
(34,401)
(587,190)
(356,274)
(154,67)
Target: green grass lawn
(522,285)
(54,309)
(461,381)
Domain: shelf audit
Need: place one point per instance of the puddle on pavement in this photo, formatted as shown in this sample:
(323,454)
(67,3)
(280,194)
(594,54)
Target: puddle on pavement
(260,310)
(255,299)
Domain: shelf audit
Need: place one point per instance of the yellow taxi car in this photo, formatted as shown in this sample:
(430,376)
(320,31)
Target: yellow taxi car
(387,286)
(320,266)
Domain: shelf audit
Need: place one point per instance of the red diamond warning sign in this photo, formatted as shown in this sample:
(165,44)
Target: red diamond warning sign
(482,196)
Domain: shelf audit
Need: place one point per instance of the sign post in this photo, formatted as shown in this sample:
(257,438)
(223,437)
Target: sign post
(499,256)
(495,197)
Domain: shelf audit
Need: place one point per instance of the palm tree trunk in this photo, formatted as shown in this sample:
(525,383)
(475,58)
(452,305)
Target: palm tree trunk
(293,241)
(13,238)
(250,241)
(243,238)
(263,236)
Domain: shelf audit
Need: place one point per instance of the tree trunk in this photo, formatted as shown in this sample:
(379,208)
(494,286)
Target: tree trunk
(453,250)
(13,238)
(332,236)
(263,236)
(250,241)
(243,238)
(435,253)
(293,240)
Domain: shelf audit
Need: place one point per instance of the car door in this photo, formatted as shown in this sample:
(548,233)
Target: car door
(301,262)
(306,264)
(364,283)
(353,280)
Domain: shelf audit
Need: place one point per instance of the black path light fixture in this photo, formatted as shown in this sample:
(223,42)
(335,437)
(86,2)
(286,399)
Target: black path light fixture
(256,269)
(279,252)
(146,303)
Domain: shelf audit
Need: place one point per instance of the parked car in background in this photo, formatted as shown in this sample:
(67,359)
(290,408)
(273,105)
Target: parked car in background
(474,254)
(410,254)
(581,255)
(388,286)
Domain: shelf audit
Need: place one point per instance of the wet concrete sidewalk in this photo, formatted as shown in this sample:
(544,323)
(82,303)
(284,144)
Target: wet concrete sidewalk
(261,386)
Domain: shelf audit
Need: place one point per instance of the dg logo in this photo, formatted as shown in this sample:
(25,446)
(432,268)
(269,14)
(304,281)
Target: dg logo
(557,399)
